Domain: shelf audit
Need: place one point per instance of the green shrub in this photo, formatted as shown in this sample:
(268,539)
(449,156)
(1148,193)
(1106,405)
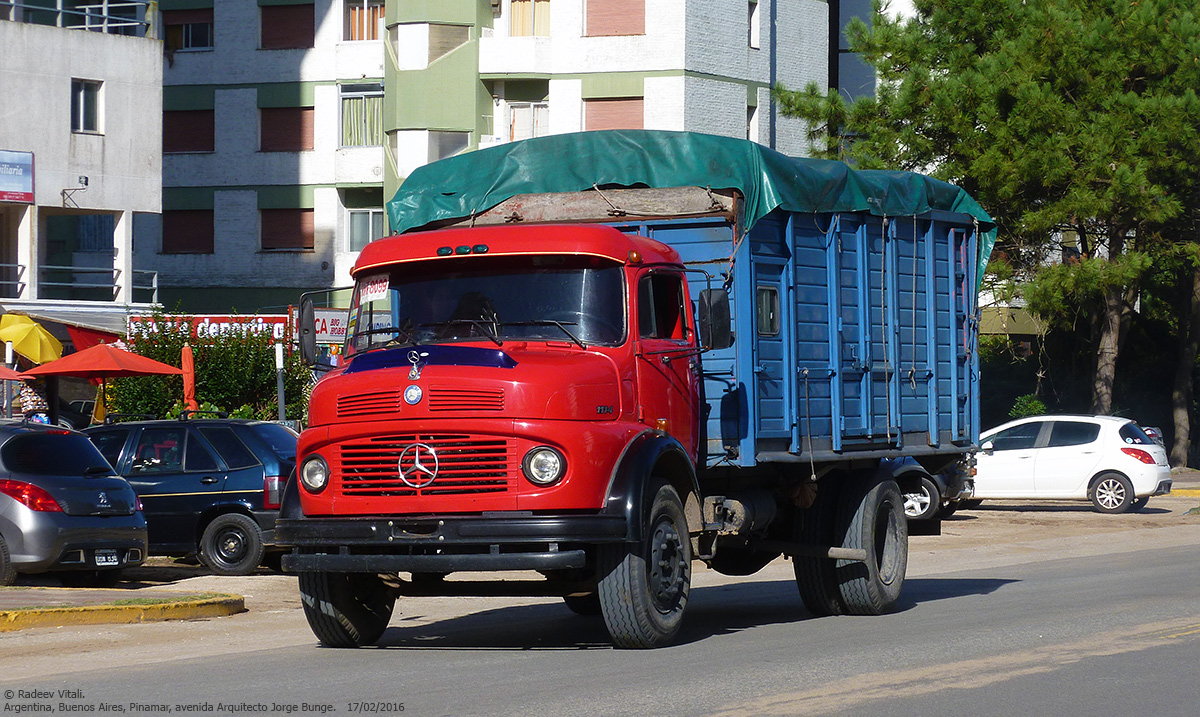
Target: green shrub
(1027,405)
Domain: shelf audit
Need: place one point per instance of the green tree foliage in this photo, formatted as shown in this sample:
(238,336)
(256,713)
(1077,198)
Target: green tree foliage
(1077,116)
(1027,405)
(235,372)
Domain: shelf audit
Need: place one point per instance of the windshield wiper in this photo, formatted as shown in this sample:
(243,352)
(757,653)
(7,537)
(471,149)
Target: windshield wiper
(407,337)
(548,322)
(481,325)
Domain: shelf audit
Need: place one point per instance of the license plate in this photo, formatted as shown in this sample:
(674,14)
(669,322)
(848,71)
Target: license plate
(107,557)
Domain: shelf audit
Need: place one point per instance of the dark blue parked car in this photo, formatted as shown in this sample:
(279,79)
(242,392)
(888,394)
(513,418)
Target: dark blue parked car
(209,486)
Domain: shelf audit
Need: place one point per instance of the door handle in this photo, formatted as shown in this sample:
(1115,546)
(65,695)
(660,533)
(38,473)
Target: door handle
(209,480)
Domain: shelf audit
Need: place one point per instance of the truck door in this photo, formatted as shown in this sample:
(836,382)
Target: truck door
(667,360)
(772,362)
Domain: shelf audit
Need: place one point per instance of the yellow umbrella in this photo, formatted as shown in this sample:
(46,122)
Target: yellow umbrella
(29,338)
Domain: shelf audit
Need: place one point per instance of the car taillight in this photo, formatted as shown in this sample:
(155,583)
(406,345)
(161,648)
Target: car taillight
(1139,454)
(31,496)
(271,486)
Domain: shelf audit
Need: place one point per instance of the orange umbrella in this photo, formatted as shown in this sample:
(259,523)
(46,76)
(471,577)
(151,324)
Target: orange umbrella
(7,374)
(102,361)
(188,361)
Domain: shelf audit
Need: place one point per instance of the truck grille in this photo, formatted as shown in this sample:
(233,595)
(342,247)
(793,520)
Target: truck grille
(369,403)
(441,398)
(466,465)
(445,398)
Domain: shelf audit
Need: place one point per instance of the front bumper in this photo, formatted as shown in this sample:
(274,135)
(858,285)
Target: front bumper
(444,544)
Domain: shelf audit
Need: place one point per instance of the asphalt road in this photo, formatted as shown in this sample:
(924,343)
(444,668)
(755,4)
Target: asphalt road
(1112,630)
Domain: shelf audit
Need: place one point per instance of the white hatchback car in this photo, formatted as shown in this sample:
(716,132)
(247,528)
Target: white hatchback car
(1105,459)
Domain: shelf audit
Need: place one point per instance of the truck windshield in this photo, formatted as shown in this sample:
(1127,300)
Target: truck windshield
(551,298)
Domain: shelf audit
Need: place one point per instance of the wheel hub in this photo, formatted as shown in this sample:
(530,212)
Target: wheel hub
(666,566)
(231,545)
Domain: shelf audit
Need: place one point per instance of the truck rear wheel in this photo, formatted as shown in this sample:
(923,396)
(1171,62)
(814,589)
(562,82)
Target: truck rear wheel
(346,609)
(644,586)
(816,578)
(871,517)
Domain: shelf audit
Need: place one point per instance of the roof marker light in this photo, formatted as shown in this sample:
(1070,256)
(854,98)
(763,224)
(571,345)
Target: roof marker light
(444,251)
(462,250)
(635,256)
(480,249)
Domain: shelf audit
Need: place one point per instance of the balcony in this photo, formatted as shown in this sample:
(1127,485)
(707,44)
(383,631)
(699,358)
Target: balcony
(124,17)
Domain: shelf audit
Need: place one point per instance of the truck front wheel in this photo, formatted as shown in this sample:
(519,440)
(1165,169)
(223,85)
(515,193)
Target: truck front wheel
(346,609)
(644,586)
(871,517)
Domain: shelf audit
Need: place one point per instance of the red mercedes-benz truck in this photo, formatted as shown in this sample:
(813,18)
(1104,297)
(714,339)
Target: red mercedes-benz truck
(587,361)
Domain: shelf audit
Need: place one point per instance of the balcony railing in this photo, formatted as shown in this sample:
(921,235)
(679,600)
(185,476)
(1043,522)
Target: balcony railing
(63,282)
(115,17)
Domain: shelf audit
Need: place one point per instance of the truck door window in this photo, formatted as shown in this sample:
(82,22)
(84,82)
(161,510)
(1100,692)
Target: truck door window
(767,310)
(661,313)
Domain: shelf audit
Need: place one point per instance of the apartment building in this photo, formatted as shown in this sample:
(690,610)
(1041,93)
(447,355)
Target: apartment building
(80,161)
(288,123)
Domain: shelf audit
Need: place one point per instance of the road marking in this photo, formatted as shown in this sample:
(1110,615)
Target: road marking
(844,695)
(1189,492)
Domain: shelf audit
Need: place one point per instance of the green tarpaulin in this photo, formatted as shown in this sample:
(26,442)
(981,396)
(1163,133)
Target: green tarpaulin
(472,183)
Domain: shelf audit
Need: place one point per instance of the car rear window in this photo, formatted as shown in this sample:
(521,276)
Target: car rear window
(52,454)
(235,453)
(1072,433)
(110,444)
(1133,433)
(281,440)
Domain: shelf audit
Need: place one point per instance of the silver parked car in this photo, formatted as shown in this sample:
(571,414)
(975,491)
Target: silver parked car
(62,508)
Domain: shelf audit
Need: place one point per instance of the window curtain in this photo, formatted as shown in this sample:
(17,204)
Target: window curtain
(362,121)
(522,18)
(364,21)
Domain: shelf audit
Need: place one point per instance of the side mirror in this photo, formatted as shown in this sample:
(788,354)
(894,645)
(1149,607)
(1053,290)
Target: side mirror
(716,331)
(987,447)
(307,331)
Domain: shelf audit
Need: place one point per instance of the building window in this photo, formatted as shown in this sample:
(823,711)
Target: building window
(447,144)
(188,131)
(364,18)
(619,113)
(615,17)
(85,106)
(188,29)
(287,27)
(528,119)
(286,229)
(530,17)
(364,226)
(187,231)
(362,115)
(286,129)
(755,36)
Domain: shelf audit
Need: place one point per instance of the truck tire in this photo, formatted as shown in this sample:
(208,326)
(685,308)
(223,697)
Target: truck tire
(346,609)
(1111,493)
(871,517)
(232,544)
(644,586)
(924,501)
(816,578)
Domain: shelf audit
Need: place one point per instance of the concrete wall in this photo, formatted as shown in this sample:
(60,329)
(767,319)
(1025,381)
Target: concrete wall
(123,162)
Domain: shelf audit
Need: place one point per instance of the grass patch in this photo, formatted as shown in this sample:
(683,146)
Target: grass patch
(161,601)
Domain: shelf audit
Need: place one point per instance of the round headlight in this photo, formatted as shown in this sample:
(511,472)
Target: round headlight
(544,465)
(314,474)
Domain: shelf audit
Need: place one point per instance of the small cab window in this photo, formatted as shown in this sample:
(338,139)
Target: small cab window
(1072,433)
(661,313)
(1017,437)
(1133,433)
(53,454)
(229,446)
(159,450)
(110,444)
(767,310)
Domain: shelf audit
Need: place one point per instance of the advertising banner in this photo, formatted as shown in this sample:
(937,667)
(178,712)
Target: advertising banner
(216,324)
(16,176)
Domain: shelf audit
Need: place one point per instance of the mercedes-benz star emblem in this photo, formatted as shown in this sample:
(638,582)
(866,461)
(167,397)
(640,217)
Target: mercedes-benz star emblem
(418,465)
(414,358)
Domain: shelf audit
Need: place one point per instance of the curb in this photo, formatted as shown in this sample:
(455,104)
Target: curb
(219,606)
(1187,492)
